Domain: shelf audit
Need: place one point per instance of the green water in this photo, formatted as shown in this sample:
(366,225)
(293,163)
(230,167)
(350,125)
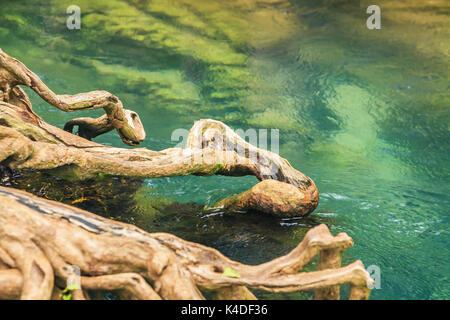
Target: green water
(365,113)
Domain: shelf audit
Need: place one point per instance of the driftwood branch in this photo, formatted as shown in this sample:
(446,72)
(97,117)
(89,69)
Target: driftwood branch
(28,142)
(14,73)
(41,241)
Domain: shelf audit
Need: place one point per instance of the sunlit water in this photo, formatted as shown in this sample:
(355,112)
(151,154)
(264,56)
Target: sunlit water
(365,113)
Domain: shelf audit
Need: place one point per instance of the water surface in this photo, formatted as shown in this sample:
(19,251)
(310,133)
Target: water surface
(365,113)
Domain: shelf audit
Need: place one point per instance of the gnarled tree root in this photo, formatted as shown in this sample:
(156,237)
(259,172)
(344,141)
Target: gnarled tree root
(41,241)
(28,142)
(14,73)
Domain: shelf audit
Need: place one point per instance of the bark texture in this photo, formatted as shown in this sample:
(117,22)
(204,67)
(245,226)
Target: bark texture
(43,241)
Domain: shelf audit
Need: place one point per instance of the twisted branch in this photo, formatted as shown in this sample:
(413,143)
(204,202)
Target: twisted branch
(14,73)
(28,142)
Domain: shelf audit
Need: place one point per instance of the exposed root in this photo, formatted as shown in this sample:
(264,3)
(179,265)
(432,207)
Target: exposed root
(28,142)
(41,241)
(133,283)
(14,73)
(11,282)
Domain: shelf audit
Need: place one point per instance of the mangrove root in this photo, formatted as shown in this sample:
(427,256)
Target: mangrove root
(42,242)
(28,142)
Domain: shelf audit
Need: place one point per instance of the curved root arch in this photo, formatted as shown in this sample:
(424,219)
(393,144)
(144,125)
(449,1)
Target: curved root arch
(28,142)
(42,242)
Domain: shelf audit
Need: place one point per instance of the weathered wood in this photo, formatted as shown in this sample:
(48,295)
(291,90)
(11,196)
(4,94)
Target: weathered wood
(329,259)
(14,73)
(28,142)
(41,241)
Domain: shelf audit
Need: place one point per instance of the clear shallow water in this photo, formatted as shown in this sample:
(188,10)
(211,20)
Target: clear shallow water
(364,113)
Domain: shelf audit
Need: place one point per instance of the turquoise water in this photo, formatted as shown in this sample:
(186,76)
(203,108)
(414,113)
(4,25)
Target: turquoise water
(365,113)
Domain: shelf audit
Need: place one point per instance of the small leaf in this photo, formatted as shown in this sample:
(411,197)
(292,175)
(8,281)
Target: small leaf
(230,273)
(67,296)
